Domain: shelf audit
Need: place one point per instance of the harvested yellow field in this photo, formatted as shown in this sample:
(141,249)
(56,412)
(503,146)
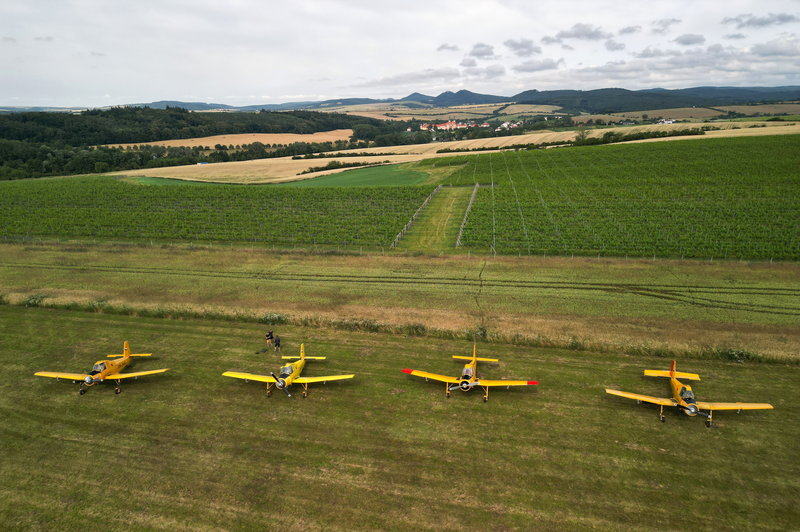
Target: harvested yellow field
(520,109)
(681,113)
(286,169)
(765,109)
(249,138)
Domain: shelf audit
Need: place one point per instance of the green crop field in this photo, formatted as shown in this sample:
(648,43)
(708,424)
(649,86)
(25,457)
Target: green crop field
(712,199)
(103,207)
(192,450)
(721,198)
(391,175)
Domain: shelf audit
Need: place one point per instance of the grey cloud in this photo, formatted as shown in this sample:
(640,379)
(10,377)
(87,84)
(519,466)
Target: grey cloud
(534,65)
(523,47)
(482,51)
(782,46)
(566,47)
(98,54)
(750,21)
(491,71)
(630,29)
(735,36)
(650,53)
(447,47)
(420,76)
(550,40)
(662,26)
(583,31)
(614,46)
(9,39)
(468,62)
(44,39)
(689,39)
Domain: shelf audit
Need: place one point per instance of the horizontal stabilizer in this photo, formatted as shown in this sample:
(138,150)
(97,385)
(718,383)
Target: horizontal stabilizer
(131,355)
(678,374)
(479,359)
(307,358)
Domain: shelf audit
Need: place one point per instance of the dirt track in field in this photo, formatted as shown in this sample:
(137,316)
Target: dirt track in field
(285,169)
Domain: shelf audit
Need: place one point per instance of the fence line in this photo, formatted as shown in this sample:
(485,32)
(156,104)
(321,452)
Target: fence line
(402,233)
(461,231)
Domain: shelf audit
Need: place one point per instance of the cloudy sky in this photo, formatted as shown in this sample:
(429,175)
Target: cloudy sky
(244,52)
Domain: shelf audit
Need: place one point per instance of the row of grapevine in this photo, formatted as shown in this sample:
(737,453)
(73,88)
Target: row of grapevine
(106,208)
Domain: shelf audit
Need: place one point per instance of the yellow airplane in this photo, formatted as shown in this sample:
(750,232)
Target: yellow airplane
(683,398)
(289,374)
(104,370)
(469,378)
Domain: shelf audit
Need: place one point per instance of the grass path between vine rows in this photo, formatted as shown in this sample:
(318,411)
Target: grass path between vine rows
(436,228)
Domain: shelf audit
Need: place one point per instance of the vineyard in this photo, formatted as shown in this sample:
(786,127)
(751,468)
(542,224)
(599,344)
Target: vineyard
(722,198)
(103,207)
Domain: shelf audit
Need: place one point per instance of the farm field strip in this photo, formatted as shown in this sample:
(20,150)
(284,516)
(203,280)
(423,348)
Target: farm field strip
(286,169)
(101,207)
(719,199)
(611,304)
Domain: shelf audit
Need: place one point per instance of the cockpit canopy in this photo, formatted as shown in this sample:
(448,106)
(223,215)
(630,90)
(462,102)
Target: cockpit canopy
(467,373)
(686,394)
(100,366)
(286,370)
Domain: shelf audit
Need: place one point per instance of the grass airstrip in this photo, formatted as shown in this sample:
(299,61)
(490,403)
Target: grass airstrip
(192,450)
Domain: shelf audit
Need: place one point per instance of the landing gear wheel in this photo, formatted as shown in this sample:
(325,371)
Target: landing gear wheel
(117,391)
(485,399)
(447,395)
(663,419)
(269,393)
(708,424)
(83,391)
(304,395)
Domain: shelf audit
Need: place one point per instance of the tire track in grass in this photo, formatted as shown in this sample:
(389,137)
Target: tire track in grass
(688,294)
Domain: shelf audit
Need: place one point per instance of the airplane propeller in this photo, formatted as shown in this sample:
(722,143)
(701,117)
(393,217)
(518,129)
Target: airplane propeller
(280,384)
(692,410)
(464,386)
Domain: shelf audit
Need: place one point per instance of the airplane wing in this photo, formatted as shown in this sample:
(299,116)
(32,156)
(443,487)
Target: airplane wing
(507,383)
(733,406)
(249,376)
(307,380)
(433,376)
(57,375)
(118,376)
(645,398)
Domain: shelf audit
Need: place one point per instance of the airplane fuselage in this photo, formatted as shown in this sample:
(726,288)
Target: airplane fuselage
(109,367)
(682,394)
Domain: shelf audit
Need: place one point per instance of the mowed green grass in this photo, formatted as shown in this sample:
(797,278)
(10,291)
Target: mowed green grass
(192,450)
(376,176)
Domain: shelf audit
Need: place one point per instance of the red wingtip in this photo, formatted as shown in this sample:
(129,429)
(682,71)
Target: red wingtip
(407,370)
(533,382)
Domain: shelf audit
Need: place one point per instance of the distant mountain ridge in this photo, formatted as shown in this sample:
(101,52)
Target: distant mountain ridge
(591,101)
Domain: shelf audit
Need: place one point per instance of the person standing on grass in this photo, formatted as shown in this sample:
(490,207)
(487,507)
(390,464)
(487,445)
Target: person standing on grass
(269,338)
(277,343)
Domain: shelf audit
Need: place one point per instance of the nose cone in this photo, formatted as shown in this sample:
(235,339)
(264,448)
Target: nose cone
(465,385)
(88,379)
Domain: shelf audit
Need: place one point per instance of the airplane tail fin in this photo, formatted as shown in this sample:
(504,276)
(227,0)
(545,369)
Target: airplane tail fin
(126,352)
(672,373)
